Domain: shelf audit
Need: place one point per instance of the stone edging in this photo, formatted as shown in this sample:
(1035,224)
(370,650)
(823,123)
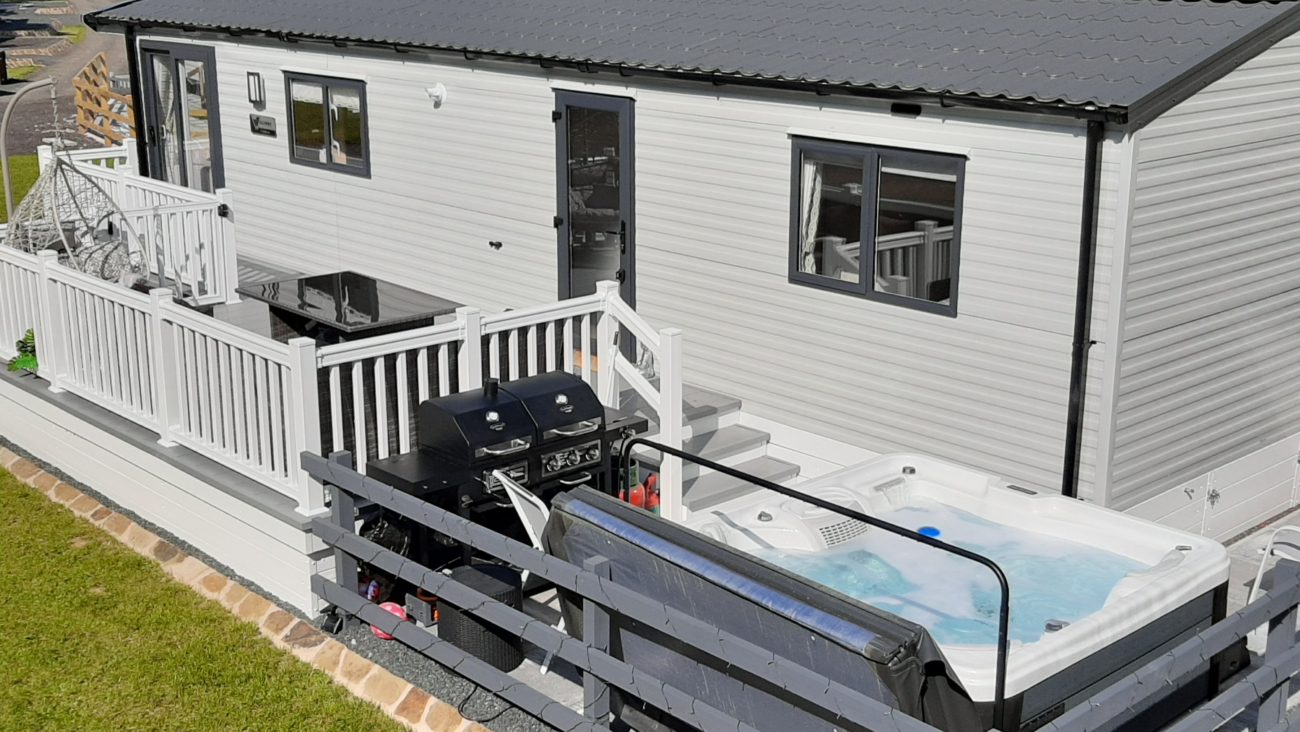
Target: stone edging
(410,705)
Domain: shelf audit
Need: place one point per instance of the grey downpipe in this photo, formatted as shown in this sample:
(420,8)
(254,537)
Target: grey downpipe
(137,101)
(1083,309)
(4,137)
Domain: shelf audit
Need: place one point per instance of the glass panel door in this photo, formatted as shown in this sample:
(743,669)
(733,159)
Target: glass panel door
(595,193)
(164,130)
(197,140)
(183,135)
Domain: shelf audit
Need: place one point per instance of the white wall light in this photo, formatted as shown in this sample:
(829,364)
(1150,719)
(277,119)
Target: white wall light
(256,89)
(438,94)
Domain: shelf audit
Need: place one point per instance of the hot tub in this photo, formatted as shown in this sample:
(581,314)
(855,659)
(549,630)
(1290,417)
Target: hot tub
(1094,593)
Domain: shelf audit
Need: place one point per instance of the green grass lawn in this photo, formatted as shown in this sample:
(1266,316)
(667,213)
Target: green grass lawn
(21,73)
(24,170)
(75,33)
(96,637)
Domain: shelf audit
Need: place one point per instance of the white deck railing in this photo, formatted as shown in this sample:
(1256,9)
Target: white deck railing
(254,404)
(374,385)
(244,400)
(187,233)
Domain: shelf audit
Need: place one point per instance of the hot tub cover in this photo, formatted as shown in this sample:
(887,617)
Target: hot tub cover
(864,648)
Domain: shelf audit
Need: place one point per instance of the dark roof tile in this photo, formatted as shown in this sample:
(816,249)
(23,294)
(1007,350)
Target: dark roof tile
(1109,53)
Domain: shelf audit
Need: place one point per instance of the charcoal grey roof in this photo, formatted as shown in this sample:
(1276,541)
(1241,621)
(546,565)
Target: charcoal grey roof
(1107,53)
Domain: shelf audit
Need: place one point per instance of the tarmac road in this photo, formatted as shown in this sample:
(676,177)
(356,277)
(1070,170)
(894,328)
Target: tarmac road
(33,120)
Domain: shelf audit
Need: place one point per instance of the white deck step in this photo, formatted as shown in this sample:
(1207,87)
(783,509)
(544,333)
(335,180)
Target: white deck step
(713,488)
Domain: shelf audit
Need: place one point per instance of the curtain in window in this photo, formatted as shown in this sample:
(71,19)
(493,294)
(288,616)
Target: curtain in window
(811,214)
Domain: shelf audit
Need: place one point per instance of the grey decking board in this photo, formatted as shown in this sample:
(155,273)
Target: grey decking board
(716,445)
(711,489)
(698,403)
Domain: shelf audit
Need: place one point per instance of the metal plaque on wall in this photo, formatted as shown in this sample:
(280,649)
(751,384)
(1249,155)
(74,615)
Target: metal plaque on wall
(262,124)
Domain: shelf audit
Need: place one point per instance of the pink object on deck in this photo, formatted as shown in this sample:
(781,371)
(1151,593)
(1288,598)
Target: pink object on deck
(393,608)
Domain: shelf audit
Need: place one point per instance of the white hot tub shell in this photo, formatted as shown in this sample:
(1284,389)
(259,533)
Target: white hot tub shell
(1146,613)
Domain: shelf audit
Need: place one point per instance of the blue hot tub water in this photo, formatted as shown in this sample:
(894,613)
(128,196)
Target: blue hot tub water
(956,599)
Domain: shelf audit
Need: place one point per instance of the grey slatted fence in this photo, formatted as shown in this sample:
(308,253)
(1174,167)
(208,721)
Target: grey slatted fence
(1262,689)
(1268,682)
(601,596)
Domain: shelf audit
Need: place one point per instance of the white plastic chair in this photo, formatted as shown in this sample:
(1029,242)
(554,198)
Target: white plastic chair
(533,513)
(1258,637)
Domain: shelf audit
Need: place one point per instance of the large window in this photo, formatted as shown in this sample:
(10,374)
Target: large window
(878,222)
(327,123)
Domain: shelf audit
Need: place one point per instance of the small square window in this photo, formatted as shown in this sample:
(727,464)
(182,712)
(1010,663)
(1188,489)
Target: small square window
(905,205)
(327,123)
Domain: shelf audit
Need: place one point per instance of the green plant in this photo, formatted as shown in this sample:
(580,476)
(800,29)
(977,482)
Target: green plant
(26,358)
(75,33)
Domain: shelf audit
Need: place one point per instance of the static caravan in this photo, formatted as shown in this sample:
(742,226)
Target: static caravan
(1053,241)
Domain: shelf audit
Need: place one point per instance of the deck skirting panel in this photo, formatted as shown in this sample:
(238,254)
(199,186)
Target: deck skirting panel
(268,548)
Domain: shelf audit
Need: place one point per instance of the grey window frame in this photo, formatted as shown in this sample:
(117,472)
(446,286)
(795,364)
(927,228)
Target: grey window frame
(326,83)
(869,155)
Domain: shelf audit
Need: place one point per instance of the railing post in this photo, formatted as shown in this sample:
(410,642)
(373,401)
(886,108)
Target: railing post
(305,387)
(670,422)
(227,257)
(596,634)
(44,156)
(606,347)
(50,333)
(925,260)
(132,164)
(165,390)
(343,514)
(1281,639)
(120,187)
(469,355)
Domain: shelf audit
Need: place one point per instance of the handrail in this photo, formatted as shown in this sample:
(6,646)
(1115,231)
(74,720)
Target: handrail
(1004,609)
(388,344)
(628,318)
(538,314)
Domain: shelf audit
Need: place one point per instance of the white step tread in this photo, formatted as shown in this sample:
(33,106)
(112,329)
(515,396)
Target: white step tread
(711,489)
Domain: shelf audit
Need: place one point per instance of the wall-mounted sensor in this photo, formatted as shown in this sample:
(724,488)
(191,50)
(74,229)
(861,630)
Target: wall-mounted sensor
(437,94)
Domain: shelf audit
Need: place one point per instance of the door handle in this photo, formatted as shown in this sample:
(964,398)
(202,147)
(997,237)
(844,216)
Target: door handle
(621,276)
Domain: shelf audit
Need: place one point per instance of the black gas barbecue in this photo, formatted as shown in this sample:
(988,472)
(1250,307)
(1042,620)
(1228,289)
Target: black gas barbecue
(548,432)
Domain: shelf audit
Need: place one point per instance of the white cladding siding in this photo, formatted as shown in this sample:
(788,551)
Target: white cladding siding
(988,388)
(1211,349)
(444,181)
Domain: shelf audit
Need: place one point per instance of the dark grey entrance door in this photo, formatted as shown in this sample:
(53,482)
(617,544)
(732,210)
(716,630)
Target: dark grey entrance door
(595,214)
(182,125)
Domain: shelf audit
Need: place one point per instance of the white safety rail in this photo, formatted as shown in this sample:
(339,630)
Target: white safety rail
(255,405)
(187,240)
(19,280)
(373,386)
(192,229)
(100,338)
(246,401)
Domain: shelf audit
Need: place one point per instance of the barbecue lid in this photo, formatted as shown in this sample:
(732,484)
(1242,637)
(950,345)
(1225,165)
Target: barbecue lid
(474,425)
(562,404)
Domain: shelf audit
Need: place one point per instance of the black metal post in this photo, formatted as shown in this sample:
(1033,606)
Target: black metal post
(1004,607)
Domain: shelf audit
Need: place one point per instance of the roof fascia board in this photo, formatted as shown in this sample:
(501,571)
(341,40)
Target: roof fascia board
(1146,110)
